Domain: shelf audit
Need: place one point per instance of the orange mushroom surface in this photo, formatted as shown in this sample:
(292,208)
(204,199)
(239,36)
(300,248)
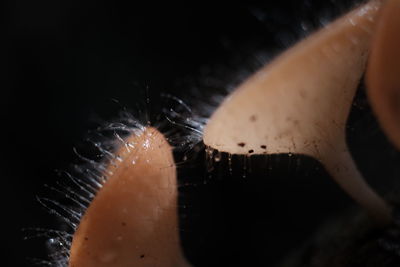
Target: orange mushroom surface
(383,73)
(300,102)
(132,221)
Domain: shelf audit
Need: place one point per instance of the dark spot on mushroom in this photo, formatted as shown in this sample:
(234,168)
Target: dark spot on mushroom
(263,146)
(142,256)
(241,144)
(251,151)
(123,224)
(86,238)
(303,94)
(253,118)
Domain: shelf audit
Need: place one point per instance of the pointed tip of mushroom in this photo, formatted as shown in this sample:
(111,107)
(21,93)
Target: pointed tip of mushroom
(132,221)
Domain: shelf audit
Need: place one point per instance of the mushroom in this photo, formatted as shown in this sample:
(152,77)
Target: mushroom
(132,221)
(300,102)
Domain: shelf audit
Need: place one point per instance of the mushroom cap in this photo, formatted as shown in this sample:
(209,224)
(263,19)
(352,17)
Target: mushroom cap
(300,102)
(132,221)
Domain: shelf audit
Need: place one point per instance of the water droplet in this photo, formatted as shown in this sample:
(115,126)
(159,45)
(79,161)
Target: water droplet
(54,244)
(146,144)
(217,157)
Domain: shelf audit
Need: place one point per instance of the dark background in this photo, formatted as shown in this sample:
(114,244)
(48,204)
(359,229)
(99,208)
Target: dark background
(67,61)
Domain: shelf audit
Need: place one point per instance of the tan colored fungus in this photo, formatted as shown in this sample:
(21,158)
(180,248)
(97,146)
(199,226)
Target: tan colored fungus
(300,103)
(132,221)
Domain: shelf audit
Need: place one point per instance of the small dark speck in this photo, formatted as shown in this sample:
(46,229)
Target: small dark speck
(251,151)
(142,256)
(123,224)
(253,118)
(303,94)
(86,238)
(263,147)
(241,144)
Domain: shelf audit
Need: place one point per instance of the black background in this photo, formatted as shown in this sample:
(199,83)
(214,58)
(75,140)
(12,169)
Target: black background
(67,61)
